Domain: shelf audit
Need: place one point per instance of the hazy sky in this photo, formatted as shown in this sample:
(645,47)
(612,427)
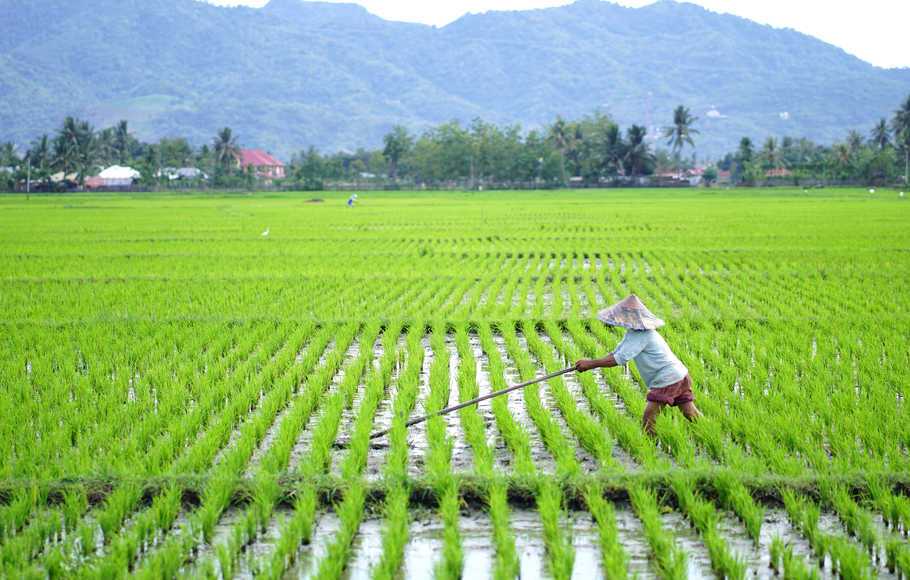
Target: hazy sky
(874,30)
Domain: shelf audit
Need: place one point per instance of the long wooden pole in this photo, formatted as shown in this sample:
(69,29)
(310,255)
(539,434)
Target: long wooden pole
(477,400)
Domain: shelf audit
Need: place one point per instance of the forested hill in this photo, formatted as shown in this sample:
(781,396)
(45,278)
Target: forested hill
(298,73)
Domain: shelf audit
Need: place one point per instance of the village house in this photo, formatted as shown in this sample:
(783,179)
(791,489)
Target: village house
(263,165)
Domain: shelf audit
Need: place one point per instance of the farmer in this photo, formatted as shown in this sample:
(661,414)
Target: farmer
(666,377)
(352,200)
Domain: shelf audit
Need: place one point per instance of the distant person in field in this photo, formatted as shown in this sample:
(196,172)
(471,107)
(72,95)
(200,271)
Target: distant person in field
(352,200)
(666,377)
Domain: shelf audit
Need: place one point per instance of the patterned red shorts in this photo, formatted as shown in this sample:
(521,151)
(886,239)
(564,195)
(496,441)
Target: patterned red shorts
(674,395)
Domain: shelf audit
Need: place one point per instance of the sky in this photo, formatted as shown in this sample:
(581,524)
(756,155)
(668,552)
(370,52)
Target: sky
(873,30)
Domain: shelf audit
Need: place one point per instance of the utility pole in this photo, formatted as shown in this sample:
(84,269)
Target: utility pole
(28,173)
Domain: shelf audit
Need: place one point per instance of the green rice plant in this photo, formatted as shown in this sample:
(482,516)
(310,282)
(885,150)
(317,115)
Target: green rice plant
(786,564)
(776,550)
(733,495)
(612,554)
(506,565)
(512,432)
(395,528)
(895,509)
(898,557)
(848,561)
(704,517)
(556,443)
(170,555)
(858,522)
(267,491)
(582,425)
(561,554)
(670,561)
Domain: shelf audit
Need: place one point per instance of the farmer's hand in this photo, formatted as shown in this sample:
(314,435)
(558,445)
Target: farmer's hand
(585,364)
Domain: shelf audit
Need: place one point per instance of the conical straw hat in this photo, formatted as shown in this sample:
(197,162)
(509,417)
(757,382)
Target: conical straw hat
(630,313)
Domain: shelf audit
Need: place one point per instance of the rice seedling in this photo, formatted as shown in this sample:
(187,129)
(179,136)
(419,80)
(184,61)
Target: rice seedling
(160,370)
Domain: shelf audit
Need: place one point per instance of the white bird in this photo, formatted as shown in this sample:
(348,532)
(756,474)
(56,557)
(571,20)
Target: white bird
(872,191)
(265,234)
(902,194)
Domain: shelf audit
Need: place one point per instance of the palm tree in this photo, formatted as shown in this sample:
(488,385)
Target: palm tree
(397,144)
(881,135)
(559,134)
(681,132)
(40,157)
(901,125)
(612,150)
(122,142)
(637,154)
(74,148)
(227,151)
(771,154)
(842,158)
(106,147)
(855,141)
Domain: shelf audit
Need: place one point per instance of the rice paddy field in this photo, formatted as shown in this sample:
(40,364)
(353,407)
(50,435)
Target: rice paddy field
(183,396)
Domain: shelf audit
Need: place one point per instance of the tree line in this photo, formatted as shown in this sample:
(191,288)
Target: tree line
(881,156)
(593,150)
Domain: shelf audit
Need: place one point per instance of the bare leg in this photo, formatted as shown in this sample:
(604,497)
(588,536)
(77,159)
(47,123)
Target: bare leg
(650,415)
(690,411)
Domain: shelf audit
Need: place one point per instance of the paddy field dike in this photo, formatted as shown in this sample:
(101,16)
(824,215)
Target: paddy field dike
(182,395)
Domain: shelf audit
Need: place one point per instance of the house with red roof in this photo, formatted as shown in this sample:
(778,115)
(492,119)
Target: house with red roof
(263,165)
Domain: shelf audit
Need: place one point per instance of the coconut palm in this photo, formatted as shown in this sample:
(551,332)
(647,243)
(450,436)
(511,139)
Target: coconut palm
(901,125)
(680,134)
(855,141)
(227,151)
(40,158)
(638,156)
(122,142)
(881,135)
(559,135)
(75,148)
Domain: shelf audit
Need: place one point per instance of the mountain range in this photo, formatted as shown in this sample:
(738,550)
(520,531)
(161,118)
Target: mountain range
(297,73)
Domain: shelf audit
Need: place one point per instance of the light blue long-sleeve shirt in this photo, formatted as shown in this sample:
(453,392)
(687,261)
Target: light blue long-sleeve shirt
(656,363)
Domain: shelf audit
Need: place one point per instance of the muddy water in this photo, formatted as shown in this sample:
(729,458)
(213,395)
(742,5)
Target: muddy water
(462,459)
(586,541)
(366,550)
(385,412)
(222,533)
(633,540)
(180,526)
(777,523)
(310,555)
(829,523)
(423,548)
(349,414)
(417,434)
(543,460)
(887,533)
(275,428)
(698,562)
(501,454)
(741,545)
(302,445)
(587,461)
(260,550)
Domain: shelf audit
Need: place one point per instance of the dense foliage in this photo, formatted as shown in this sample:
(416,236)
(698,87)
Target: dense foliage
(591,151)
